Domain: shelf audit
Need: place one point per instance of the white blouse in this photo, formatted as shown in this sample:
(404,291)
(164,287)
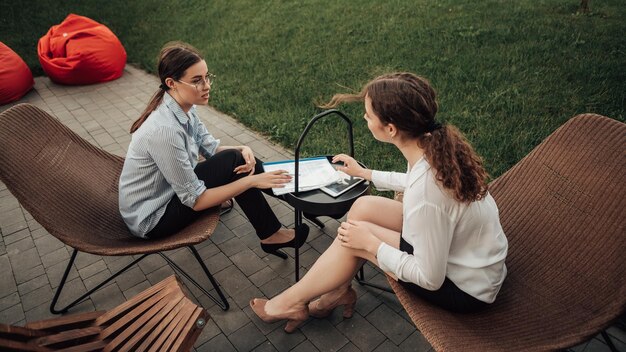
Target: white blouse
(462,241)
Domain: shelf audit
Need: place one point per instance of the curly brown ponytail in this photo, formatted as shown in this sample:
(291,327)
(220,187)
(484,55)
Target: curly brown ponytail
(410,103)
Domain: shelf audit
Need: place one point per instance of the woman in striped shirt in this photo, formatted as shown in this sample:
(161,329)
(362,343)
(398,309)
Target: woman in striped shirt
(163,187)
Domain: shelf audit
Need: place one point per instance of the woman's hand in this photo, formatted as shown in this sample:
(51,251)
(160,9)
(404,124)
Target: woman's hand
(351,166)
(273,179)
(248,156)
(356,235)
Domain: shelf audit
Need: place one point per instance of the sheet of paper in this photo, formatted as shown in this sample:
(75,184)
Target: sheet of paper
(314,173)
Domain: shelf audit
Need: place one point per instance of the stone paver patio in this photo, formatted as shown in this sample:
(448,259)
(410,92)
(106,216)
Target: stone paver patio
(33,261)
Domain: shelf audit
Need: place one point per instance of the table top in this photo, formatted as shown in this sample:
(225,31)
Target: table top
(316,202)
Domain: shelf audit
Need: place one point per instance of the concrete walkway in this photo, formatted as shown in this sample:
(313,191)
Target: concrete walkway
(33,261)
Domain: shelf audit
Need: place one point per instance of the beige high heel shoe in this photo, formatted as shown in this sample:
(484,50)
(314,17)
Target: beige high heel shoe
(348,300)
(294,319)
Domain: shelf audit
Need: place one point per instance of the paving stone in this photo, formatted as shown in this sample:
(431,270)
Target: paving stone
(133,291)
(12,315)
(247,262)
(235,221)
(58,256)
(209,250)
(107,297)
(366,303)
(231,247)
(160,274)
(283,341)
(39,233)
(92,269)
(8,229)
(416,342)
(275,287)
(151,263)
(349,348)
(246,338)
(244,229)
(36,297)
(243,297)
(96,279)
(209,331)
(55,273)
(130,278)
(32,285)
(217,263)
(306,346)
(20,246)
(390,324)
(218,344)
(84,259)
(9,286)
(363,334)
(229,321)
(221,234)
(263,276)
(16,236)
(387,346)
(232,280)
(10,217)
(265,347)
(9,301)
(48,244)
(264,327)
(25,260)
(324,335)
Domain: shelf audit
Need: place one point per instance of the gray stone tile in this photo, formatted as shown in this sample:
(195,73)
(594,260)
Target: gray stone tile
(107,297)
(247,262)
(133,291)
(265,347)
(324,335)
(263,276)
(390,324)
(232,280)
(217,344)
(243,297)
(246,338)
(16,236)
(209,331)
(416,342)
(283,341)
(274,287)
(48,244)
(32,284)
(363,334)
(387,346)
(130,278)
(232,247)
(58,256)
(24,260)
(9,301)
(349,348)
(12,315)
(55,273)
(229,321)
(92,269)
(36,297)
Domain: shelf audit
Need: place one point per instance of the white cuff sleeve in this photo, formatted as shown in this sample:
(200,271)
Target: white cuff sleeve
(388,258)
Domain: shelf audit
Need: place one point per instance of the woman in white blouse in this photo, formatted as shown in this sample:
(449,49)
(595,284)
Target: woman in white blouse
(444,241)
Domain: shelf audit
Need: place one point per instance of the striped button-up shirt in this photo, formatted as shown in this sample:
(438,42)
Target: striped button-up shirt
(160,163)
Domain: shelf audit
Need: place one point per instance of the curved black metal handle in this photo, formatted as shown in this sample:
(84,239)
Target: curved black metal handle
(306,131)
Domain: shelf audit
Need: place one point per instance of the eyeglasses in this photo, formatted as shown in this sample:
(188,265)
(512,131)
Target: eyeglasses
(201,81)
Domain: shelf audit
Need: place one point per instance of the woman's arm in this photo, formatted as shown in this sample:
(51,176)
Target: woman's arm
(214,196)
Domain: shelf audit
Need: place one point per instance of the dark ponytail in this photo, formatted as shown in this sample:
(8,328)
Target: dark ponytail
(156,100)
(175,58)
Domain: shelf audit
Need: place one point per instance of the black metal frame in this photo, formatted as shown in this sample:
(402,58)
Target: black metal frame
(222,302)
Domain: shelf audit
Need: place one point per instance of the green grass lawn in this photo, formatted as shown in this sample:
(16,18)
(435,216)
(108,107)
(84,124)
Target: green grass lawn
(508,73)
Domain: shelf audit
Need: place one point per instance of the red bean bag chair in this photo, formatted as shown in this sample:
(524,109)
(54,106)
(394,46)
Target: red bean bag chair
(15,76)
(81,51)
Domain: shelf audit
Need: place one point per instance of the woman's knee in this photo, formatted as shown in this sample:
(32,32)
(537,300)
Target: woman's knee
(361,208)
(234,155)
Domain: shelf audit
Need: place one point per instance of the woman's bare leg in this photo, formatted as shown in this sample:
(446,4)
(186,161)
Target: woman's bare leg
(336,267)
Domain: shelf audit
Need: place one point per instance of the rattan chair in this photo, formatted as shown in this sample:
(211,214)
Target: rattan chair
(563,209)
(161,318)
(71,188)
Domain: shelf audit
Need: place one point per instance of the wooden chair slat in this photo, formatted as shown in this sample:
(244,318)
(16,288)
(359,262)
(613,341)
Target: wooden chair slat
(68,336)
(165,323)
(87,347)
(123,308)
(10,332)
(158,344)
(154,320)
(62,323)
(136,312)
(190,331)
(11,345)
(187,311)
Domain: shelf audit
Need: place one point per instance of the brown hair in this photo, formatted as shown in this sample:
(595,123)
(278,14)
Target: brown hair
(409,102)
(175,58)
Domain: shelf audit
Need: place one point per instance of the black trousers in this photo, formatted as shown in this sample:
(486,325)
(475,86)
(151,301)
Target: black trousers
(448,296)
(218,171)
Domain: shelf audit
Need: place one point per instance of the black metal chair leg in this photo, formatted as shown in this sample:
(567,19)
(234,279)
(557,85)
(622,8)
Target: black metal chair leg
(53,310)
(224,302)
(360,278)
(607,338)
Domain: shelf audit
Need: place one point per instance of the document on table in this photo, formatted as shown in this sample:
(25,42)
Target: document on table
(314,173)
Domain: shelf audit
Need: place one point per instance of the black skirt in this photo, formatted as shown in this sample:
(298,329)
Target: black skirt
(448,296)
